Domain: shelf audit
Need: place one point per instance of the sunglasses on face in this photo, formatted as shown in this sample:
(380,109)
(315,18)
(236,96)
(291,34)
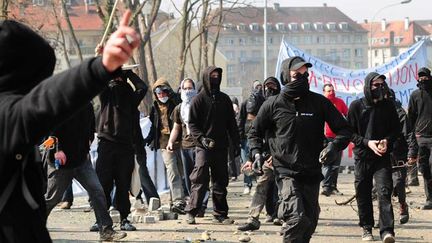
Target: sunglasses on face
(160,90)
(378,85)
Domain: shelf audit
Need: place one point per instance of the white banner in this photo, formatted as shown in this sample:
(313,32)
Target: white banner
(401,73)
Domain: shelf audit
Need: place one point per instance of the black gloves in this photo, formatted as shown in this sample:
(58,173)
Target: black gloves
(257,164)
(207,143)
(328,154)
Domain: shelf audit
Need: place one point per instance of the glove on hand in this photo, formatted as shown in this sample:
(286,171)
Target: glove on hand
(207,143)
(257,164)
(328,154)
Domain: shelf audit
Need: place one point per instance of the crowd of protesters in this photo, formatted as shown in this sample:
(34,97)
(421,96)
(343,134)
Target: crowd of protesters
(288,138)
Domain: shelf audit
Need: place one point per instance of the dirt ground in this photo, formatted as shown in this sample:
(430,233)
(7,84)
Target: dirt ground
(336,223)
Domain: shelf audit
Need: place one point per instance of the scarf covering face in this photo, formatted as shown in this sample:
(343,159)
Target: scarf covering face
(186,96)
(297,88)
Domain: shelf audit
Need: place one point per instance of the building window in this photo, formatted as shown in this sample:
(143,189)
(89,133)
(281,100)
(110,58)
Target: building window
(256,54)
(243,54)
(331,26)
(230,55)
(269,26)
(242,41)
(254,27)
(319,26)
(382,41)
(333,53)
(306,26)
(38,2)
(320,39)
(358,52)
(358,65)
(398,39)
(270,40)
(229,41)
(375,53)
(346,53)
(308,39)
(294,39)
(241,27)
(280,26)
(333,39)
(90,2)
(230,68)
(293,26)
(228,26)
(358,38)
(343,26)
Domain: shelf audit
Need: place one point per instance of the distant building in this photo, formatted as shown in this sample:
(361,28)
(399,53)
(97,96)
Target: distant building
(390,38)
(324,32)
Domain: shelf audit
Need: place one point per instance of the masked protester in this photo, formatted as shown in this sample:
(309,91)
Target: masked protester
(376,127)
(212,124)
(248,110)
(160,131)
(265,188)
(399,157)
(331,169)
(295,121)
(420,119)
(31,104)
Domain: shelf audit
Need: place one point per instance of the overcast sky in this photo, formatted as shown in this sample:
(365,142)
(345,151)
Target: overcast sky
(357,10)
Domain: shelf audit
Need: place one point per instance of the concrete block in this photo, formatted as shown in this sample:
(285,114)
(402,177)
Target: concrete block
(115,216)
(149,219)
(170,216)
(154,204)
(137,218)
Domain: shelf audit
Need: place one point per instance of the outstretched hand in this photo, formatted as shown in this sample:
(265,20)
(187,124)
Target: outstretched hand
(120,45)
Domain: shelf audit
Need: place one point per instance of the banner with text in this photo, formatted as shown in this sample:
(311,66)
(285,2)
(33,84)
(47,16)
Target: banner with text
(401,72)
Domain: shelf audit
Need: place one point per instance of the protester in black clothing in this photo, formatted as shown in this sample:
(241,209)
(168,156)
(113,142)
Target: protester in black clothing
(399,158)
(211,124)
(31,104)
(162,126)
(266,182)
(117,131)
(294,121)
(420,118)
(234,161)
(376,127)
(74,137)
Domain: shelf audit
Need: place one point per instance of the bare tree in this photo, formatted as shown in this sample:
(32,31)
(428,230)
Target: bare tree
(4,9)
(71,29)
(60,30)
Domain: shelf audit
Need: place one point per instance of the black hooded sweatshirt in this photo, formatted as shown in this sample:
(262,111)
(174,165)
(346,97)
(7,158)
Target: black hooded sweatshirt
(212,115)
(119,102)
(295,132)
(420,117)
(31,105)
(381,118)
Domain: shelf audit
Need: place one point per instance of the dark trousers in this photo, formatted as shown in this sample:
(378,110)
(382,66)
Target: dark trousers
(115,164)
(233,163)
(147,185)
(188,159)
(331,172)
(60,179)
(299,209)
(245,157)
(216,161)
(424,165)
(68,195)
(365,172)
(399,179)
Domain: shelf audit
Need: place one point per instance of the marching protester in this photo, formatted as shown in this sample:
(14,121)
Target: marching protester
(248,111)
(117,131)
(399,158)
(419,114)
(234,161)
(331,169)
(31,105)
(376,126)
(74,137)
(295,121)
(211,124)
(161,128)
(265,182)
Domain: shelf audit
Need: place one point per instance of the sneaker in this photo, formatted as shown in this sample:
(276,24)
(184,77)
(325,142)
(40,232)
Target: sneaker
(326,192)
(201,213)
(336,192)
(234,178)
(278,222)
(127,226)
(427,206)
(367,235)
(251,225)
(269,219)
(388,238)
(65,205)
(94,228)
(403,213)
(247,190)
(178,207)
(190,219)
(222,220)
(108,234)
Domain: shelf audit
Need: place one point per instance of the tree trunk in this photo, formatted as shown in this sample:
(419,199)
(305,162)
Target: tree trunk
(219,26)
(4,9)
(150,61)
(71,30)
(182,54)
(60,29)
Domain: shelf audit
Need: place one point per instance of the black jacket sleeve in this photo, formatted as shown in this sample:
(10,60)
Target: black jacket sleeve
(412,119)
(353,121)
(338,124)
(232,125)
(195,126)
(140,87)
(395,127)
(261,124)
(32,116)
(242,120)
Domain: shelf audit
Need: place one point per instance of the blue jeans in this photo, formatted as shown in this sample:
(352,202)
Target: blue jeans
(68,195)
(331,172)
(60,179)
(245,157)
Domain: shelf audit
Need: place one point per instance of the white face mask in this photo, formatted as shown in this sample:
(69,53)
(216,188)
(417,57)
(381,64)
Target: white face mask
(163,99)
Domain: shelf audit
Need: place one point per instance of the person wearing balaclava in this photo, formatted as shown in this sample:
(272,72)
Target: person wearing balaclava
(376,126)
(294,120)
(331,169)
(420,119)
(266,186)
(31,104)
(180,117)
(212,124)
(248,110)
(161,112)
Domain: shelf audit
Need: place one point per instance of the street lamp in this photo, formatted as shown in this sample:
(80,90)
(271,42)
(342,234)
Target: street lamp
(370,24)
(265,39)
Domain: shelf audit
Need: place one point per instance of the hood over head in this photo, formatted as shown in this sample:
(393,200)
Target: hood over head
(206,78)
(368,83)
(26,58)
(163,84)
(182,82)
(256,83)
(292,63)
(424,72)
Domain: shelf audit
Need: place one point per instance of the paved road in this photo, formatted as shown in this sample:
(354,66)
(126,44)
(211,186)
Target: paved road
(337,223)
